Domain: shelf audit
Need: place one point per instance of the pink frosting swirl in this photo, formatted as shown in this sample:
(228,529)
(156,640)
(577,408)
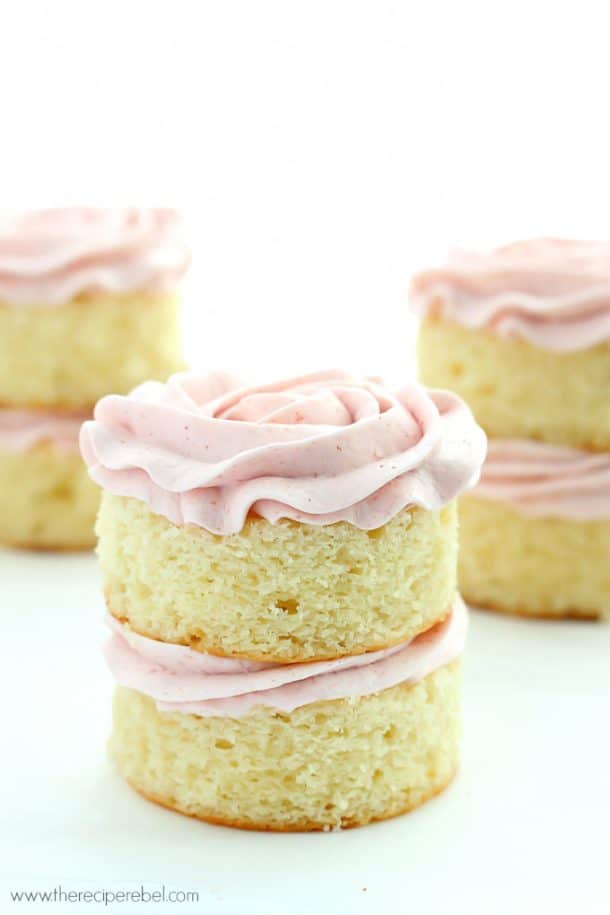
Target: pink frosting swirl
(21,430)
(47,257)
(555,294)
(547,480)
(182,680)
(318,449)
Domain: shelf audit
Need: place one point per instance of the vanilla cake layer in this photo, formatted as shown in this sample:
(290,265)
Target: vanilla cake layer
(67,356)
(517,390)
(533,566)
(278,592)
(326,765)
(46,499)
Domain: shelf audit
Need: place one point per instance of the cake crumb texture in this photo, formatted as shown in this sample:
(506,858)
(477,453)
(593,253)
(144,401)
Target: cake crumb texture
(516,390)
(324,766)
(533,566)
(67,357)
(47,500)
(278,592)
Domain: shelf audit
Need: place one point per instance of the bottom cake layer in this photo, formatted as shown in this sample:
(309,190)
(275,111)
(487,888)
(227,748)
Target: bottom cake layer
(546,567)
(339,763)
(47,500)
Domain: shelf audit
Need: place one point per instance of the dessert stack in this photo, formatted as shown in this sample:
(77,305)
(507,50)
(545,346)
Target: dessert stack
(88,304)
(279,566)
(523,335)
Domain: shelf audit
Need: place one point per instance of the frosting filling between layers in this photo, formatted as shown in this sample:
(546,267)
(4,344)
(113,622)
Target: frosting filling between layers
(48,257)
(544,480)
(180,679)
(555,294)
(317,449)
(21,430)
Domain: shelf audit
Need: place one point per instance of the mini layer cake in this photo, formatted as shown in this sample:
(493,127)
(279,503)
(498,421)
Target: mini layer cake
(523,334)
(88,304)
(279,565)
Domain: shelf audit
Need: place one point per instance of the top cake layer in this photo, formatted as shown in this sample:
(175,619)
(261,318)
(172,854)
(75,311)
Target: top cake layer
(49,257)
(552,293)
(318,449)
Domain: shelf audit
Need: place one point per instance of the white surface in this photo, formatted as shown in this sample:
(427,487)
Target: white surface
(522,831)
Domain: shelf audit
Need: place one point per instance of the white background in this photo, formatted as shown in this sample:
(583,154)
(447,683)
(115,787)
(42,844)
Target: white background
(321,151)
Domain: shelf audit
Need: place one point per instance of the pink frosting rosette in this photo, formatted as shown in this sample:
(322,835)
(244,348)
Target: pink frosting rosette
(553,293)
(48,257)
(322,448)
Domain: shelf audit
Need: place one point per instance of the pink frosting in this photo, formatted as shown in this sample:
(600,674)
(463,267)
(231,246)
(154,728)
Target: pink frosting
(547,480)
(318,449)
(21,430)
(182,680)
(47,257)
(553,293)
